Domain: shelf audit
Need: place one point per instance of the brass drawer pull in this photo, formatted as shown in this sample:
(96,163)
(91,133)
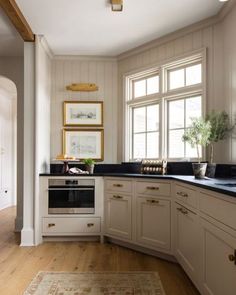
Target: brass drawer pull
(182,194)
(90,224)
(117,197)
(51,224)
(153,188)
(183,211)
(118,185)
(153,201)
(232,257)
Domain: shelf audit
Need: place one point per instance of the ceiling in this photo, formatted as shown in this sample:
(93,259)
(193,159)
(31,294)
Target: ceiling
(11,44)
(89,27)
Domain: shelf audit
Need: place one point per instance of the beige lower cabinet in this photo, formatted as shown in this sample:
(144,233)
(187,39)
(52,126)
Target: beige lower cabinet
(219,256)
(187,242)
(118,215)
(153,222)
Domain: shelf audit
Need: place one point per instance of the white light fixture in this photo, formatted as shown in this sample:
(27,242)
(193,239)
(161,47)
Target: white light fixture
(223,0)
(116,5)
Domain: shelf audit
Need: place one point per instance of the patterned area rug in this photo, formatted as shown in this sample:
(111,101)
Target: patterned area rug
(96,283)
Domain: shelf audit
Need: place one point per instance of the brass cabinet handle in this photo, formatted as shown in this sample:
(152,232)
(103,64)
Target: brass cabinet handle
(153,188)
(117,197)
(51,224)
(153,201)
(90,224)
(182,194)
(118,185)
(183,211)
(232,257)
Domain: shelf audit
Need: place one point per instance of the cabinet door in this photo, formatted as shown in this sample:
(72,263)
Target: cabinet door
(219,272)
(153,222)
(118,215)
(187,244)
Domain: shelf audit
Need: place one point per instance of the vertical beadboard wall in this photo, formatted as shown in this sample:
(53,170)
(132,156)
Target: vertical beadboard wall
(103,72)
(210,38)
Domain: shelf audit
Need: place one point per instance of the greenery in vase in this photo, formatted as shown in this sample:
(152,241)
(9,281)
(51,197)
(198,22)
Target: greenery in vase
(198,134)
(89,161)
(220,129)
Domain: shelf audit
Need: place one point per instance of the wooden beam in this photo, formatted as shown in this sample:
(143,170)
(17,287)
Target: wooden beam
(17,18)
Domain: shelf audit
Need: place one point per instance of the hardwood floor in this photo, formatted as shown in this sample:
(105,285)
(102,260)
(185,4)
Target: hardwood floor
(18,265)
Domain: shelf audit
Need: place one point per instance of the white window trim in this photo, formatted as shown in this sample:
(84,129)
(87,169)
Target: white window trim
(162,96)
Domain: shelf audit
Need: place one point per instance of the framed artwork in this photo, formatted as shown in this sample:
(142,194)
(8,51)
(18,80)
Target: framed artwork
(82,143)
(83,113)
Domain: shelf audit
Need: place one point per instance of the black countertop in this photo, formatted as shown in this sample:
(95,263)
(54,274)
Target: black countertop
(213,184)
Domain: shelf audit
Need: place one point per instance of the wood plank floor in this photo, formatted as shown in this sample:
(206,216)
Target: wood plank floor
(18,265)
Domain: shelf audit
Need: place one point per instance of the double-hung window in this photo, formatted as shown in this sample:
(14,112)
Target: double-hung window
(159,106)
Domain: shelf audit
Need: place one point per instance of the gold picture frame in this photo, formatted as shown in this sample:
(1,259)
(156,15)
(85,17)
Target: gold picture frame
(83,113)
(83,143)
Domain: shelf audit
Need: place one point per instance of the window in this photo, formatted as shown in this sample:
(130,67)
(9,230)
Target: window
(145,132)
(147,86)
(183,77)
(179,117)
(159,106)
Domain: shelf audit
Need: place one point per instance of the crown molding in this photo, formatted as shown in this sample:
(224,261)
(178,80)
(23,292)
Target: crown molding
(85,58)
(225,10)
(43,41)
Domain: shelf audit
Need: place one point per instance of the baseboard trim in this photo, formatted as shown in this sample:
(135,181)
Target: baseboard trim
(27,238)
(71,239)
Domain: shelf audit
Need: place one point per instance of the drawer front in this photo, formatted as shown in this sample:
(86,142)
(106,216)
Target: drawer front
(119,185)
(63,225)
(218,209)
(186,195)
(153,188)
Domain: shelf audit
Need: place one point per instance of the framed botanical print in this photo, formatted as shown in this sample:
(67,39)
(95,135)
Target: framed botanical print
(83,113)
(82,144)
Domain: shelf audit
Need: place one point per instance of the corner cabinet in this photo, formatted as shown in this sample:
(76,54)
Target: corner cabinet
(139,212)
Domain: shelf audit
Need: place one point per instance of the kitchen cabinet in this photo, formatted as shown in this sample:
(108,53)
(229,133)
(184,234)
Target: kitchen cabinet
(118,215)
(153,216)
(219,256)
(187,241)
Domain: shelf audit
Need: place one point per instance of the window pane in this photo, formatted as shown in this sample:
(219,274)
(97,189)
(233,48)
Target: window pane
(176,79)
(139,146)
(176,114)
(193,109)
(139,119)
(176,145)
(194,74)
(139,88)
(153,85)
(153,118)
(153,145)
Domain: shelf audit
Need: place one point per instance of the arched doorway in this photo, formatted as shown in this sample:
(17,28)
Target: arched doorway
(8,142)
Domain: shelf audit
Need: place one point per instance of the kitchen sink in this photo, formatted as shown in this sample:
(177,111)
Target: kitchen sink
(228,184)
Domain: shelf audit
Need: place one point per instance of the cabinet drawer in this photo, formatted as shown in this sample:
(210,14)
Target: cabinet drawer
(119,185)
(186,195)
(73,225)
(153,188)
(218,209)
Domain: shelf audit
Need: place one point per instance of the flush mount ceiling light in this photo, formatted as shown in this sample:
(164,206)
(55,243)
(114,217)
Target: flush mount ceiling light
(116,5)
(223,0)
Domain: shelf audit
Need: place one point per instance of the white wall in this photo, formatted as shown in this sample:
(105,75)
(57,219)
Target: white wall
(13,68)
(103,72)
(229,76)
(7,143)
(42,119)
(218,37)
